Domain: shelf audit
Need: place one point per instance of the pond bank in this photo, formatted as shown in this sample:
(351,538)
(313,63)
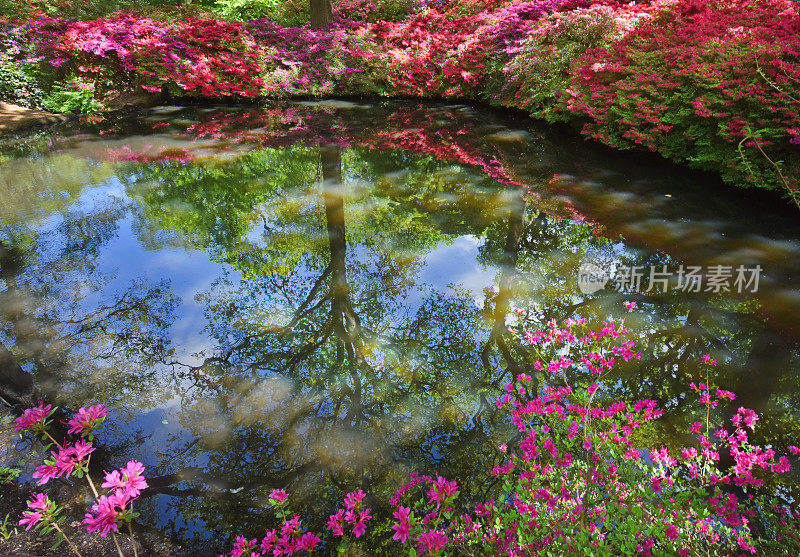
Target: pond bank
(15,118)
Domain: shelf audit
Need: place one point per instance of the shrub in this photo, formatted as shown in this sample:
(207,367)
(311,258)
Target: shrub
(431,55)
(76,96)
(206,57)
(574,482)
(706,83)
(18,86)
(541,66)
(317,61)
(70,459)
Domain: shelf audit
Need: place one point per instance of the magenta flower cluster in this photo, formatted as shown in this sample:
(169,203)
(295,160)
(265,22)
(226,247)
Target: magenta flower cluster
(123,486)
(289,539)
(352,517)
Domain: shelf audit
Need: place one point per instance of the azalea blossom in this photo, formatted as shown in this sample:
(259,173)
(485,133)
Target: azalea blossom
(104,515)
(32,418)
(86,419)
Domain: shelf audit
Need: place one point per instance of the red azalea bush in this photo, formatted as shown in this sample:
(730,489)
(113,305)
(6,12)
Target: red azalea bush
(714,84)
(432,55)
(207,57)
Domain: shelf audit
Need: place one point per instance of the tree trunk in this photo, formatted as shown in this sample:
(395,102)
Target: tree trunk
(321,13)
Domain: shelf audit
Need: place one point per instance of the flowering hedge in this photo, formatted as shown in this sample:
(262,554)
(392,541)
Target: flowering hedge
(201,57)
(699,82)
(715,85)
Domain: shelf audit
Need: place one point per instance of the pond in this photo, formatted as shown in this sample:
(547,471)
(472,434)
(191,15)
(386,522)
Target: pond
(316,295)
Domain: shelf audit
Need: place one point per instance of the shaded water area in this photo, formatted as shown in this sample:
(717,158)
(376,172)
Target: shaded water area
(315,295)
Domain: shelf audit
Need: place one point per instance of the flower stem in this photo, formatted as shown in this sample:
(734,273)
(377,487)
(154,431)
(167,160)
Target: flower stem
(133,541)
(53,440)
(119,550)
(66,538)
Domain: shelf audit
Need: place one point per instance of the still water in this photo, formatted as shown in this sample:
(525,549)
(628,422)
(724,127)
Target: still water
(315,295)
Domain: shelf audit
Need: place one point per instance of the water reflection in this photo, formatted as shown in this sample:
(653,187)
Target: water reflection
(315,297)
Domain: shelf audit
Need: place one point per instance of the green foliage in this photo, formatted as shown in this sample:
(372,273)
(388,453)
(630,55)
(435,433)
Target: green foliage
(8,475)
(74,98)
(18,86)
(288,13)
(375,10)
(6,531)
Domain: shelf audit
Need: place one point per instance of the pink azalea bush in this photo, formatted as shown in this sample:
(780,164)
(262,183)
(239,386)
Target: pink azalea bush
(291,538)
(205,57)
(71,458)
(577,480)
(300,61)
(352,519)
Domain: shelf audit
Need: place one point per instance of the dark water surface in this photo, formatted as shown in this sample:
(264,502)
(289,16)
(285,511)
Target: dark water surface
(314,295)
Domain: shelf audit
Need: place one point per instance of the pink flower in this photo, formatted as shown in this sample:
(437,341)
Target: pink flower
(31,518)
(361,526)
(63,462)
(441,490)
(336,523)
(709,360)
(104,519)
(268,541)
(695,427)
(630,306)
(432,541)
(291,526)
(81,450)
(748,416)
(307,542)
(129,480)
(38,507)
(278,495)
(33,417)
(40,502)
(671,532)
(353,500)
(402,529)
(86,419)
(45,473)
